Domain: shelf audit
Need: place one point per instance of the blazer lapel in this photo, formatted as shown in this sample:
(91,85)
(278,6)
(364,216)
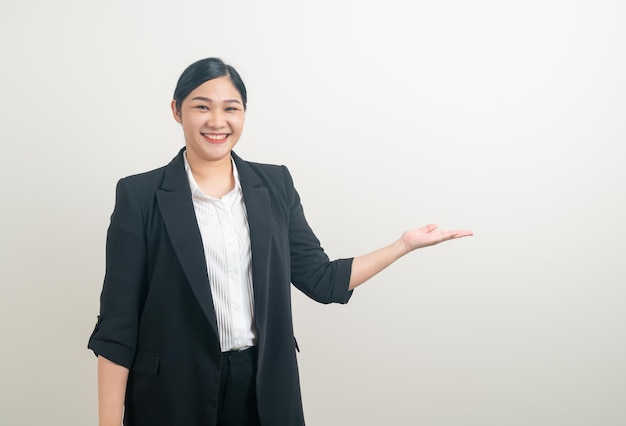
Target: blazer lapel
(174,198)
(257,201)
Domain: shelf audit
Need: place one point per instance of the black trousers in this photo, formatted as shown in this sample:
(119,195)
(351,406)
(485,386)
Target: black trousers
(237,404)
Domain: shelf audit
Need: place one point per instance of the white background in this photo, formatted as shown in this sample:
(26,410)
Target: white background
(505,117)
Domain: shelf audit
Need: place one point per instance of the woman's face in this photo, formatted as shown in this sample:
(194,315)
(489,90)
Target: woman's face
(212,117)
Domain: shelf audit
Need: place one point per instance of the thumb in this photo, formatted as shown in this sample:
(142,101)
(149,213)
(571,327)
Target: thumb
(429,228)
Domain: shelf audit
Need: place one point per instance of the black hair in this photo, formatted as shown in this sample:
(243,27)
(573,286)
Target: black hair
(202,71)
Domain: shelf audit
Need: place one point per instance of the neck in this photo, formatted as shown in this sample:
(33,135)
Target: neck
(215,178)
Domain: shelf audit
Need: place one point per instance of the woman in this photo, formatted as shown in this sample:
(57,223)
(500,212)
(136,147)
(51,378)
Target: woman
(195,321)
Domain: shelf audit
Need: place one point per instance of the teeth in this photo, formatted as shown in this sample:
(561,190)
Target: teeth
(210,136)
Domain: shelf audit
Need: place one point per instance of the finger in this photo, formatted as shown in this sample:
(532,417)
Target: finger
(445,235)
(461,233)
(429,228)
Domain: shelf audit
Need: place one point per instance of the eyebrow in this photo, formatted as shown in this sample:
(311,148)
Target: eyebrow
(228,101)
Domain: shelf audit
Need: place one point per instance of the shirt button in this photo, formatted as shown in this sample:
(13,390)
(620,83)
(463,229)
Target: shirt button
(239,342)
(236,307)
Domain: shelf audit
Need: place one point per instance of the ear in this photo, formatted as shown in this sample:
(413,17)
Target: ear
(176,112)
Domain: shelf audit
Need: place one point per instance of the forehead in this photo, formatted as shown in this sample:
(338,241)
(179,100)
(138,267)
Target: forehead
(217,89)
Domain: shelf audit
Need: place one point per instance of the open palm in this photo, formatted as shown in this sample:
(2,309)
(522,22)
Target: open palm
(430,235)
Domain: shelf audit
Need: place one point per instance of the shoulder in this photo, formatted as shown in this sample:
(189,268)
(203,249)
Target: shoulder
(143,183)
(145,178)
(149,182)
(263,167)
(141,189)
(272,175)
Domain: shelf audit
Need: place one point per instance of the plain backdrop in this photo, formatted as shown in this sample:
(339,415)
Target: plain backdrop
(505,117)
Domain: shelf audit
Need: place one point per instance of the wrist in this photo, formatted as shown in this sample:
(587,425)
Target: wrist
(400,247)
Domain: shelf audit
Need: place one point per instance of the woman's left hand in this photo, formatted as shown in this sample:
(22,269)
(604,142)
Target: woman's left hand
(430,235)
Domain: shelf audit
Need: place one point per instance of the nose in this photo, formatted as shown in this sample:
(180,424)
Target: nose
(216,119)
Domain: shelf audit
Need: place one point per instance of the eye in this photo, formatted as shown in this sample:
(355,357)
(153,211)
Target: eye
(232,109)
(202,107)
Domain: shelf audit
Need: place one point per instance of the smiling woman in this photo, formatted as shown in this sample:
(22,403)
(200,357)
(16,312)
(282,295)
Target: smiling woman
(195,323)
(212,117)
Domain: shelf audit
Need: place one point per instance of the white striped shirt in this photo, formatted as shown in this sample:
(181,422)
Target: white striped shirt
(225,235)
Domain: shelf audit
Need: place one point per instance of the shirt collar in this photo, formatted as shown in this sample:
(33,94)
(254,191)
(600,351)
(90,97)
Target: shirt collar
(194,186)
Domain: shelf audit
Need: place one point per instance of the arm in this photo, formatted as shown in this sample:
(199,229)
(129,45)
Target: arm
(115,335)
(125,282)
(312,272)
(112,379)
(366,266)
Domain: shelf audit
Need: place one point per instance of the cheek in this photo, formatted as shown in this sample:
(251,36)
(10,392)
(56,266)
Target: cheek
(190,124)
(238,124)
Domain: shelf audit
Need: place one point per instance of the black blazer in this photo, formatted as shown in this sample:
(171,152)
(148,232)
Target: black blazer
(156,313)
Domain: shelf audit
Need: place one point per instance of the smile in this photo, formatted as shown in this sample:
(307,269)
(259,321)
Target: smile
(215,137)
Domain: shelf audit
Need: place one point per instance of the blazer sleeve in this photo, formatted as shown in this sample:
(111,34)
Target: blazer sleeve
(125,281)
(312,272)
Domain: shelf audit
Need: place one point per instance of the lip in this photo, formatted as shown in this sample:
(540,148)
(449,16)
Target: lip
(210,137)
